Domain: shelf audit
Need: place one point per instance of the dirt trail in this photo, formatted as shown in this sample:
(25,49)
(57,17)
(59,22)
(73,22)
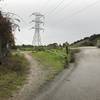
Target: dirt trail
(82,84)
(35,79)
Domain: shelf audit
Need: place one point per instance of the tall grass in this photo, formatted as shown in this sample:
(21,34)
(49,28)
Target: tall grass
(13,72)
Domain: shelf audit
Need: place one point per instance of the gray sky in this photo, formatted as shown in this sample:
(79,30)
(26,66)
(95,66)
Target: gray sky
(70,21)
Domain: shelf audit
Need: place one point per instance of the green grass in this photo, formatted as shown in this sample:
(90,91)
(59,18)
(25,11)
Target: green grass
(13,73)
(53,60)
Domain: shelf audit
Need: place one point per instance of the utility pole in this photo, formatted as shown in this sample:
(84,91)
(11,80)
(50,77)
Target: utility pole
(38,20)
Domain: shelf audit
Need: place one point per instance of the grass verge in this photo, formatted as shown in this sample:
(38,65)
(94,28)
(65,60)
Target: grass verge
(13,73)
(54,60)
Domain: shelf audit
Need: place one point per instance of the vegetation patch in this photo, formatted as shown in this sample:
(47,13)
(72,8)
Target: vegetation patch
(87,41)
(53,60)
(13,73)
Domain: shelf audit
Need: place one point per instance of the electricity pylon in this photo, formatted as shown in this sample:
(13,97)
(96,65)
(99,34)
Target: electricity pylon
(38,20)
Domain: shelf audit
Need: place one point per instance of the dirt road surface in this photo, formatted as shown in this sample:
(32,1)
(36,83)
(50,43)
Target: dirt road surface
(35,79)
(82,84)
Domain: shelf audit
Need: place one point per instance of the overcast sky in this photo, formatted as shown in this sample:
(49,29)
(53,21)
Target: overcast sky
(65,20)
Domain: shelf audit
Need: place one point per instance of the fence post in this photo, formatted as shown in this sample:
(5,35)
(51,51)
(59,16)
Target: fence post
(67,55)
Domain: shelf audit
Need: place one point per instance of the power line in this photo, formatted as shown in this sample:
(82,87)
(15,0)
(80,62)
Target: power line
(57,6)
(67,5)
(82,10)
(44,6)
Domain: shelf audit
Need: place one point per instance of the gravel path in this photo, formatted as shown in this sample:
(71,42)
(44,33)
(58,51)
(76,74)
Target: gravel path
(82,84)
(35,79)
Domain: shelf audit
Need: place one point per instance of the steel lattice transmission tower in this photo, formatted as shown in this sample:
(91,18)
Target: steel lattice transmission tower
(38,22)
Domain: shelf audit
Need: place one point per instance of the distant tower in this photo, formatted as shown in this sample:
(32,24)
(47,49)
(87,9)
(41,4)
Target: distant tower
(38,20)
